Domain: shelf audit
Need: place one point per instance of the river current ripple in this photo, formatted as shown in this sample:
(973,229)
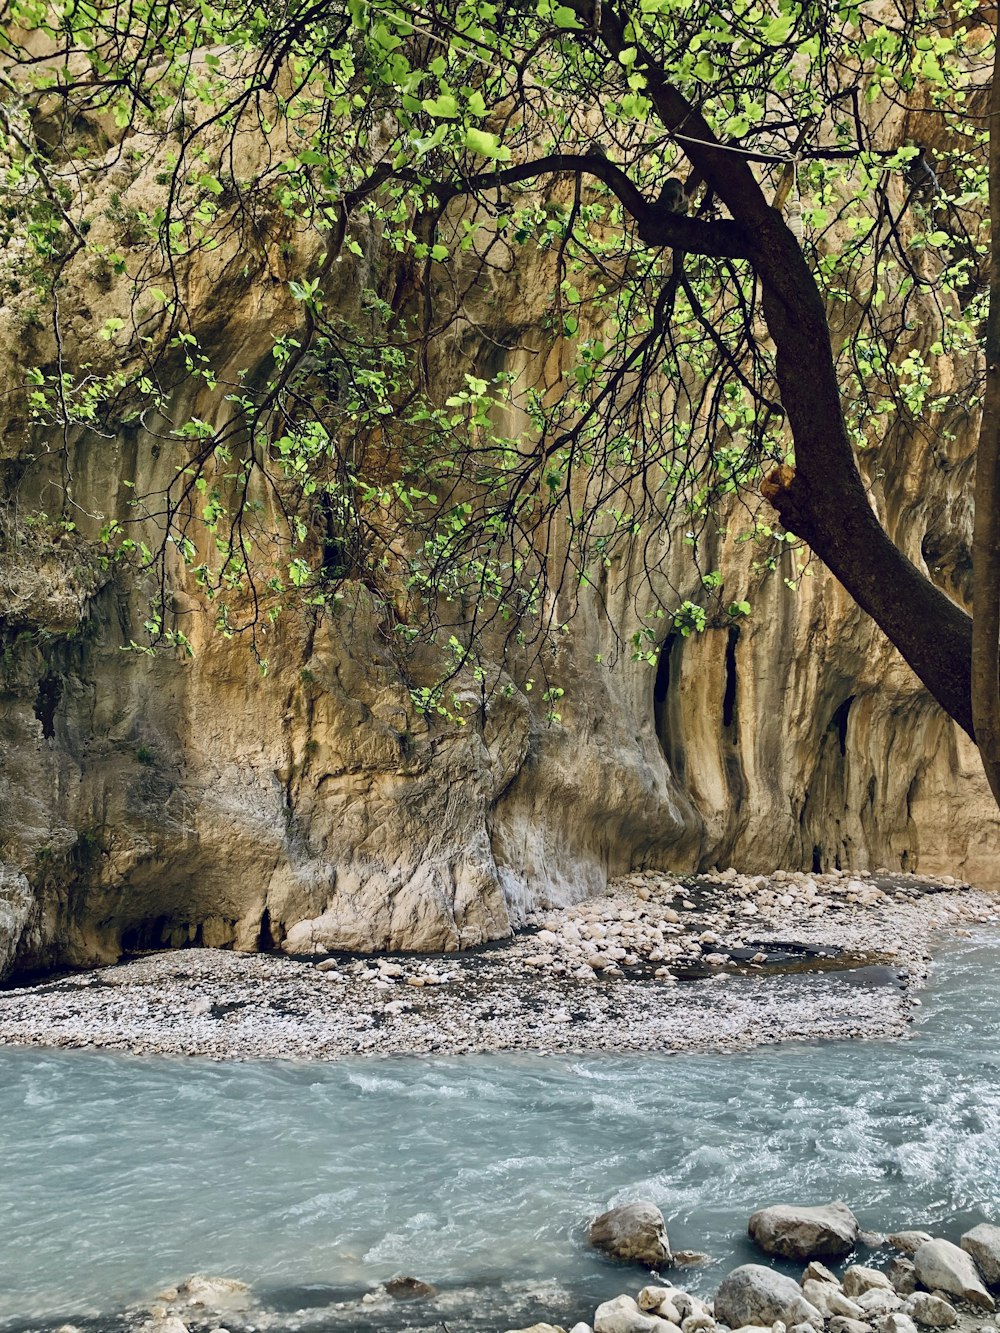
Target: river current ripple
(120,1174)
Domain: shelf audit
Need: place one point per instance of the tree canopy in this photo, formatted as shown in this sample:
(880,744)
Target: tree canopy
(764,230)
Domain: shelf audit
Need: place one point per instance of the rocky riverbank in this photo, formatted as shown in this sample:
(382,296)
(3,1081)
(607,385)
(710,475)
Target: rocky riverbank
(660,963)
(924,1283)
(905,1282)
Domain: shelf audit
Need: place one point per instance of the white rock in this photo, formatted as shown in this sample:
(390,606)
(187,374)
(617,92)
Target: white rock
(942,1266)
(930,1311)
(897,1322)
(622,1315)
(656,1300)
(817,1272)
(858,1279)
(688,1305)
(908,1241)
(983,1244)
(754,1294)
(878,1302)
(540,1328)
(828,1297)
(903,1276)
(215,1293)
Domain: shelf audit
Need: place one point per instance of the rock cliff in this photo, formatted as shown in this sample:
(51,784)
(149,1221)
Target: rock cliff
(166,800)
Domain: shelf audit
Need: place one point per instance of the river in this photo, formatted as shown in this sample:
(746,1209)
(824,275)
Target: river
(316,1181)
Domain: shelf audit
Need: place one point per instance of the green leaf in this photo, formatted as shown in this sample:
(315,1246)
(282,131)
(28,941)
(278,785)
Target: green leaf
(778,30)
(564,17)
(444,107)
(486,144)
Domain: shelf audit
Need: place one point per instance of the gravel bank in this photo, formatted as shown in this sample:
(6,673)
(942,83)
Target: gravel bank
(660,963)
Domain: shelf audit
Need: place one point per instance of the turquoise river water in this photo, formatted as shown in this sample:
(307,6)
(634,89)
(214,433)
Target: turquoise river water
(314,1182)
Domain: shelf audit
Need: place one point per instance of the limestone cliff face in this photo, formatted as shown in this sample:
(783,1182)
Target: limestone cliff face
(150,801)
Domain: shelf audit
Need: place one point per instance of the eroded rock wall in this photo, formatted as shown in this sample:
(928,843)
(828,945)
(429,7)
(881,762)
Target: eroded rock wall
(152,801)
(149,801)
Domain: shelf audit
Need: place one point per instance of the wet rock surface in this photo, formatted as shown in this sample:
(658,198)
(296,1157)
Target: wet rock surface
(661,963)
(796,1232)
(633,1232)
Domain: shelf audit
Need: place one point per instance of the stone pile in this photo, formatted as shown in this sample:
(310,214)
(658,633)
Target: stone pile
(663,922)
(931,1284)
(386,973)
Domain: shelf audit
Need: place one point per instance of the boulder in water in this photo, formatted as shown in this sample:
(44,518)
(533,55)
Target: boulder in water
(791,1231)
(908,1242)
(753,1294)
(941,1266)
(634,1232)
(403,1288)
(215,1293)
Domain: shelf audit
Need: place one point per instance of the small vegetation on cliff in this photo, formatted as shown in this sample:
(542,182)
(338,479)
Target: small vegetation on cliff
(534,286)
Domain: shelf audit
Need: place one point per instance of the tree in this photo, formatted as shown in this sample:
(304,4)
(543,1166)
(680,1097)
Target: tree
(721,337)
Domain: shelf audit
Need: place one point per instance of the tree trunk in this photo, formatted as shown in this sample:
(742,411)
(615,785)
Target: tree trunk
(824,501)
